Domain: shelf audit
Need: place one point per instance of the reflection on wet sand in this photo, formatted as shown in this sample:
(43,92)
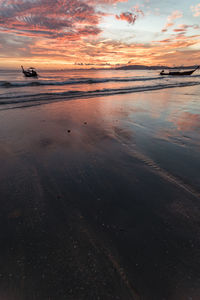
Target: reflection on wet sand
(96,202)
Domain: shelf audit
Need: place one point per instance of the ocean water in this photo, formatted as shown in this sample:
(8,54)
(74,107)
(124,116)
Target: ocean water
(17,91)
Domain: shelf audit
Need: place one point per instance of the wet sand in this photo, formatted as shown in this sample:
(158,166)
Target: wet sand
(100,198)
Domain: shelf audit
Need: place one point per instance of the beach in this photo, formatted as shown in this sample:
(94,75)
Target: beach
(100,197)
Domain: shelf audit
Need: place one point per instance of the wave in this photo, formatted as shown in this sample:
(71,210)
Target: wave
(7,84)
(40,98)
(71,81)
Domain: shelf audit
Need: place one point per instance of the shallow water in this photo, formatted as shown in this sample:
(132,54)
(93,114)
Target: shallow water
(109,210)
(15,90)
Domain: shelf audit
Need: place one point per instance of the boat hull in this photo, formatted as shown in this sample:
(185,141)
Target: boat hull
(30,75)
(178,73)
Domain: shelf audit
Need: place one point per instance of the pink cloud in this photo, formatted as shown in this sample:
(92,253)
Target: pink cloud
(167,26)
(131,16)
(127,16)
(109,1)
(185,27)
(170,20)
(138,10)
(175,15)
(50,18)
(179,30)
(196,10)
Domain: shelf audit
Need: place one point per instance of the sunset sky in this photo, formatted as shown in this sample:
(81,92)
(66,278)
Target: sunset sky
(101,33)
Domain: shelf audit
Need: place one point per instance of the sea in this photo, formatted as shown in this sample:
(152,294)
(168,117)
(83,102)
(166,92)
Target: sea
(57,85)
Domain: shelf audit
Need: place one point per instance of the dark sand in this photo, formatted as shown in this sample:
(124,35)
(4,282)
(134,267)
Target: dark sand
(100,198)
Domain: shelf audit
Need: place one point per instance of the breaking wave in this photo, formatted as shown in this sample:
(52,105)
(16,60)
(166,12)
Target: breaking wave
(7,84)
(15,84)
(47,97)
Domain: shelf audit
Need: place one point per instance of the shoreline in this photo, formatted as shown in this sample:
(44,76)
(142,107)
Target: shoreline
(100,198)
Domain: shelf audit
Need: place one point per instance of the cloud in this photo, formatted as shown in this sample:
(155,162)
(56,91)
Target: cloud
(184,27)
(101,52)
(108,1)
(131,16)
(127,16)
(170,20)
(167,26)
(138,10)
(50,18)
(175,15)
(196,10)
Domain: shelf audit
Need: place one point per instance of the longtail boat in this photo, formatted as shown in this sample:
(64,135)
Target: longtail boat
(178,73)
(31,72)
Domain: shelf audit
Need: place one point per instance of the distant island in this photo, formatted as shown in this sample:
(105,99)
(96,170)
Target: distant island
(143,67)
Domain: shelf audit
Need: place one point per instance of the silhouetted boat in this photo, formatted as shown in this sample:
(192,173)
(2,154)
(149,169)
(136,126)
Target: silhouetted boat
(178,73)
(31,72)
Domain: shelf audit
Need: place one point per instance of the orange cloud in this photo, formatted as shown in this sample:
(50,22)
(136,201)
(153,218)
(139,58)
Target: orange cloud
(87,52)
(170,20)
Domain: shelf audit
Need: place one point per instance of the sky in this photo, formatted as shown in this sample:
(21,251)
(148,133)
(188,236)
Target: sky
(99,34)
